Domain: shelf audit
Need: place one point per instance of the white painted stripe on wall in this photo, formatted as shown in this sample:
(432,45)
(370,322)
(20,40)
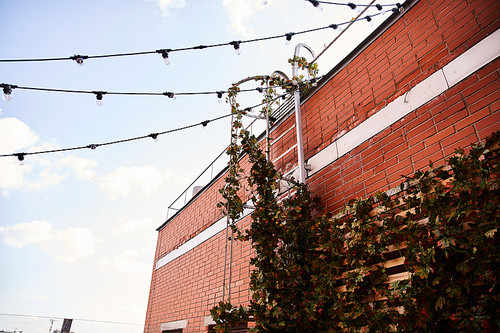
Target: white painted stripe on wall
(203,236)
(467,63)
(193,242)
(487,50)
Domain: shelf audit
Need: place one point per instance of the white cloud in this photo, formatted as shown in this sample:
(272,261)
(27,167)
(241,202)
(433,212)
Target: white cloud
(166,6)
(123,180)
(45,179)
(33,297)
(15,135)
(11,175)
(129,227)
(14,176)
(125,262)
(82,166)
(239,12)
(62,245)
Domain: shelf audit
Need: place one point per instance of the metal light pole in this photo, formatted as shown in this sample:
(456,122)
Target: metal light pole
(298,116)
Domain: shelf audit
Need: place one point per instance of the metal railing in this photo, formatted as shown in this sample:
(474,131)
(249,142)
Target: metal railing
(219,164)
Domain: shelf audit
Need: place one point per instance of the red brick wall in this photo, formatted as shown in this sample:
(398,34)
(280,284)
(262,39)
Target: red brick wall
(423,40)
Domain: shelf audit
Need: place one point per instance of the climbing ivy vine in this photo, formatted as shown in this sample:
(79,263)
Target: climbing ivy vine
(314,272)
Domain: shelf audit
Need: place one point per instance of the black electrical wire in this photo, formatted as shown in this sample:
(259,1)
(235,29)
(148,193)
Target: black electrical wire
(93,146)
(165,52)
(75,319)
(166,93)
(357,5)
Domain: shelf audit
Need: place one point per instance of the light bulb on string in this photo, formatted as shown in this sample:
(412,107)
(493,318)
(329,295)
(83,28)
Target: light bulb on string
(316,4)
(7,92)
(79,59)
(154,136)
(236,45)
(219,96)
(20,158)
(164,54)
(379,7)
(98,97)
(263,2)
(356,9)
(170,95)
(288,38)
(335,27)
(369,20)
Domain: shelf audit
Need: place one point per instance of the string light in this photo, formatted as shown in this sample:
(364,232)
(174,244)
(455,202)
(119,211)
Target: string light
(7,91)
(236,45)
(288,38)
(369,20)
(316,4)
(219,96)
(154,136)
(164,54)
(20,158)
(79,59)
(353,6)
(98,96)
(169,94)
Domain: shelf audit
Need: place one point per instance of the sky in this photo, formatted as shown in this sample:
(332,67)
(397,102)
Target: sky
(78,228)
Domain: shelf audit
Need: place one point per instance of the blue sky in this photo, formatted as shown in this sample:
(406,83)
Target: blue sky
(77,229)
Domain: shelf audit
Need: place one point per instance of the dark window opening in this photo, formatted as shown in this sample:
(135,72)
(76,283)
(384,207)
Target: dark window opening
(240,328)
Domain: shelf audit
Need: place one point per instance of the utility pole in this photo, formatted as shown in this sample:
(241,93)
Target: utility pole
(51,325)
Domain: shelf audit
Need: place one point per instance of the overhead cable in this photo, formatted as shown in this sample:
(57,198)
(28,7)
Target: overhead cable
(358,18)
(8,88)
(75,319)
(80,59)
(20,156)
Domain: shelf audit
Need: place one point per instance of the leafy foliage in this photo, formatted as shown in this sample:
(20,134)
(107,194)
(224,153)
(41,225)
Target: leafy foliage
(226,316)
(317,273)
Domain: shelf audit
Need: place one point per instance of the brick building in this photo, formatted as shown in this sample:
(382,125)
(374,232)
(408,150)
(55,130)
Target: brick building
(423,84)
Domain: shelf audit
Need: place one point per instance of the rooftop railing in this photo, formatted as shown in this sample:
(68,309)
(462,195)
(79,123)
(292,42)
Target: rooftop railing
(219,164)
